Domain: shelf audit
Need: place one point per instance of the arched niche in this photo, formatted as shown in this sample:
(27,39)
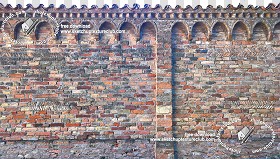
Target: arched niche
(260,32)
(276,32)
(148,32)
(129,34)
(43,31)
(84,35)
(240,31)
(219,32)
(179,33)
(108,37)
(21,36)
(199,32)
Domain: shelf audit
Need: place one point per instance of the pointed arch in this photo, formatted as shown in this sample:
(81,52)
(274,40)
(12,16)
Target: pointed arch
(148,32)
(240,31)
(85,37)
(199,32)
(260,32)
(43,30)
(179,33)
(108,37)
(219,32)
(19,35)
(129,34)
(276,32)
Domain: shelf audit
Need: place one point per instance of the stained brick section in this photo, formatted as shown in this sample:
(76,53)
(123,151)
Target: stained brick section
(105,86)
(174,72)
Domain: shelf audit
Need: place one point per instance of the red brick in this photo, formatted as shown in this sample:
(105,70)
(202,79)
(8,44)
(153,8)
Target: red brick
(13,138)
(31,120)
(116,124)
(5,134)
(273,98)
(247,123)
(40,83)
(87,54)
(118,128)
(232,99)
(143,132)
(26,100)
(166,66)
(106,115)
(35,117)
(151,75)
(19,96)
(237,111)
(123,137)
(206,115)
(164,122)
(255,70)
(43,133)
(130,107)
(73,124)
(16,75)
(19,116)
(216,95)
(140,128)
(42,112)
(194,115)
(139,95)
(56,124)
(83,87)
(201,59)
(196,91)
(137,111)
(3,87)
(47,96)
(82,116)
(188,87)
(150,103)
(122,91)
(18,133)
(51,87)
(164,85)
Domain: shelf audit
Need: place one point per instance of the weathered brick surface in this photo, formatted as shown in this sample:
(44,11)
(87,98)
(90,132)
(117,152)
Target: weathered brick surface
(174,72)
(62,149)
(212,150)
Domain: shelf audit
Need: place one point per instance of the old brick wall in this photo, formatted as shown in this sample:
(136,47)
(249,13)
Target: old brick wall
(174,72)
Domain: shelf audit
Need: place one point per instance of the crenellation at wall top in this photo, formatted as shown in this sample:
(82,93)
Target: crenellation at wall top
(159,16)
(147,8)
(271,12)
